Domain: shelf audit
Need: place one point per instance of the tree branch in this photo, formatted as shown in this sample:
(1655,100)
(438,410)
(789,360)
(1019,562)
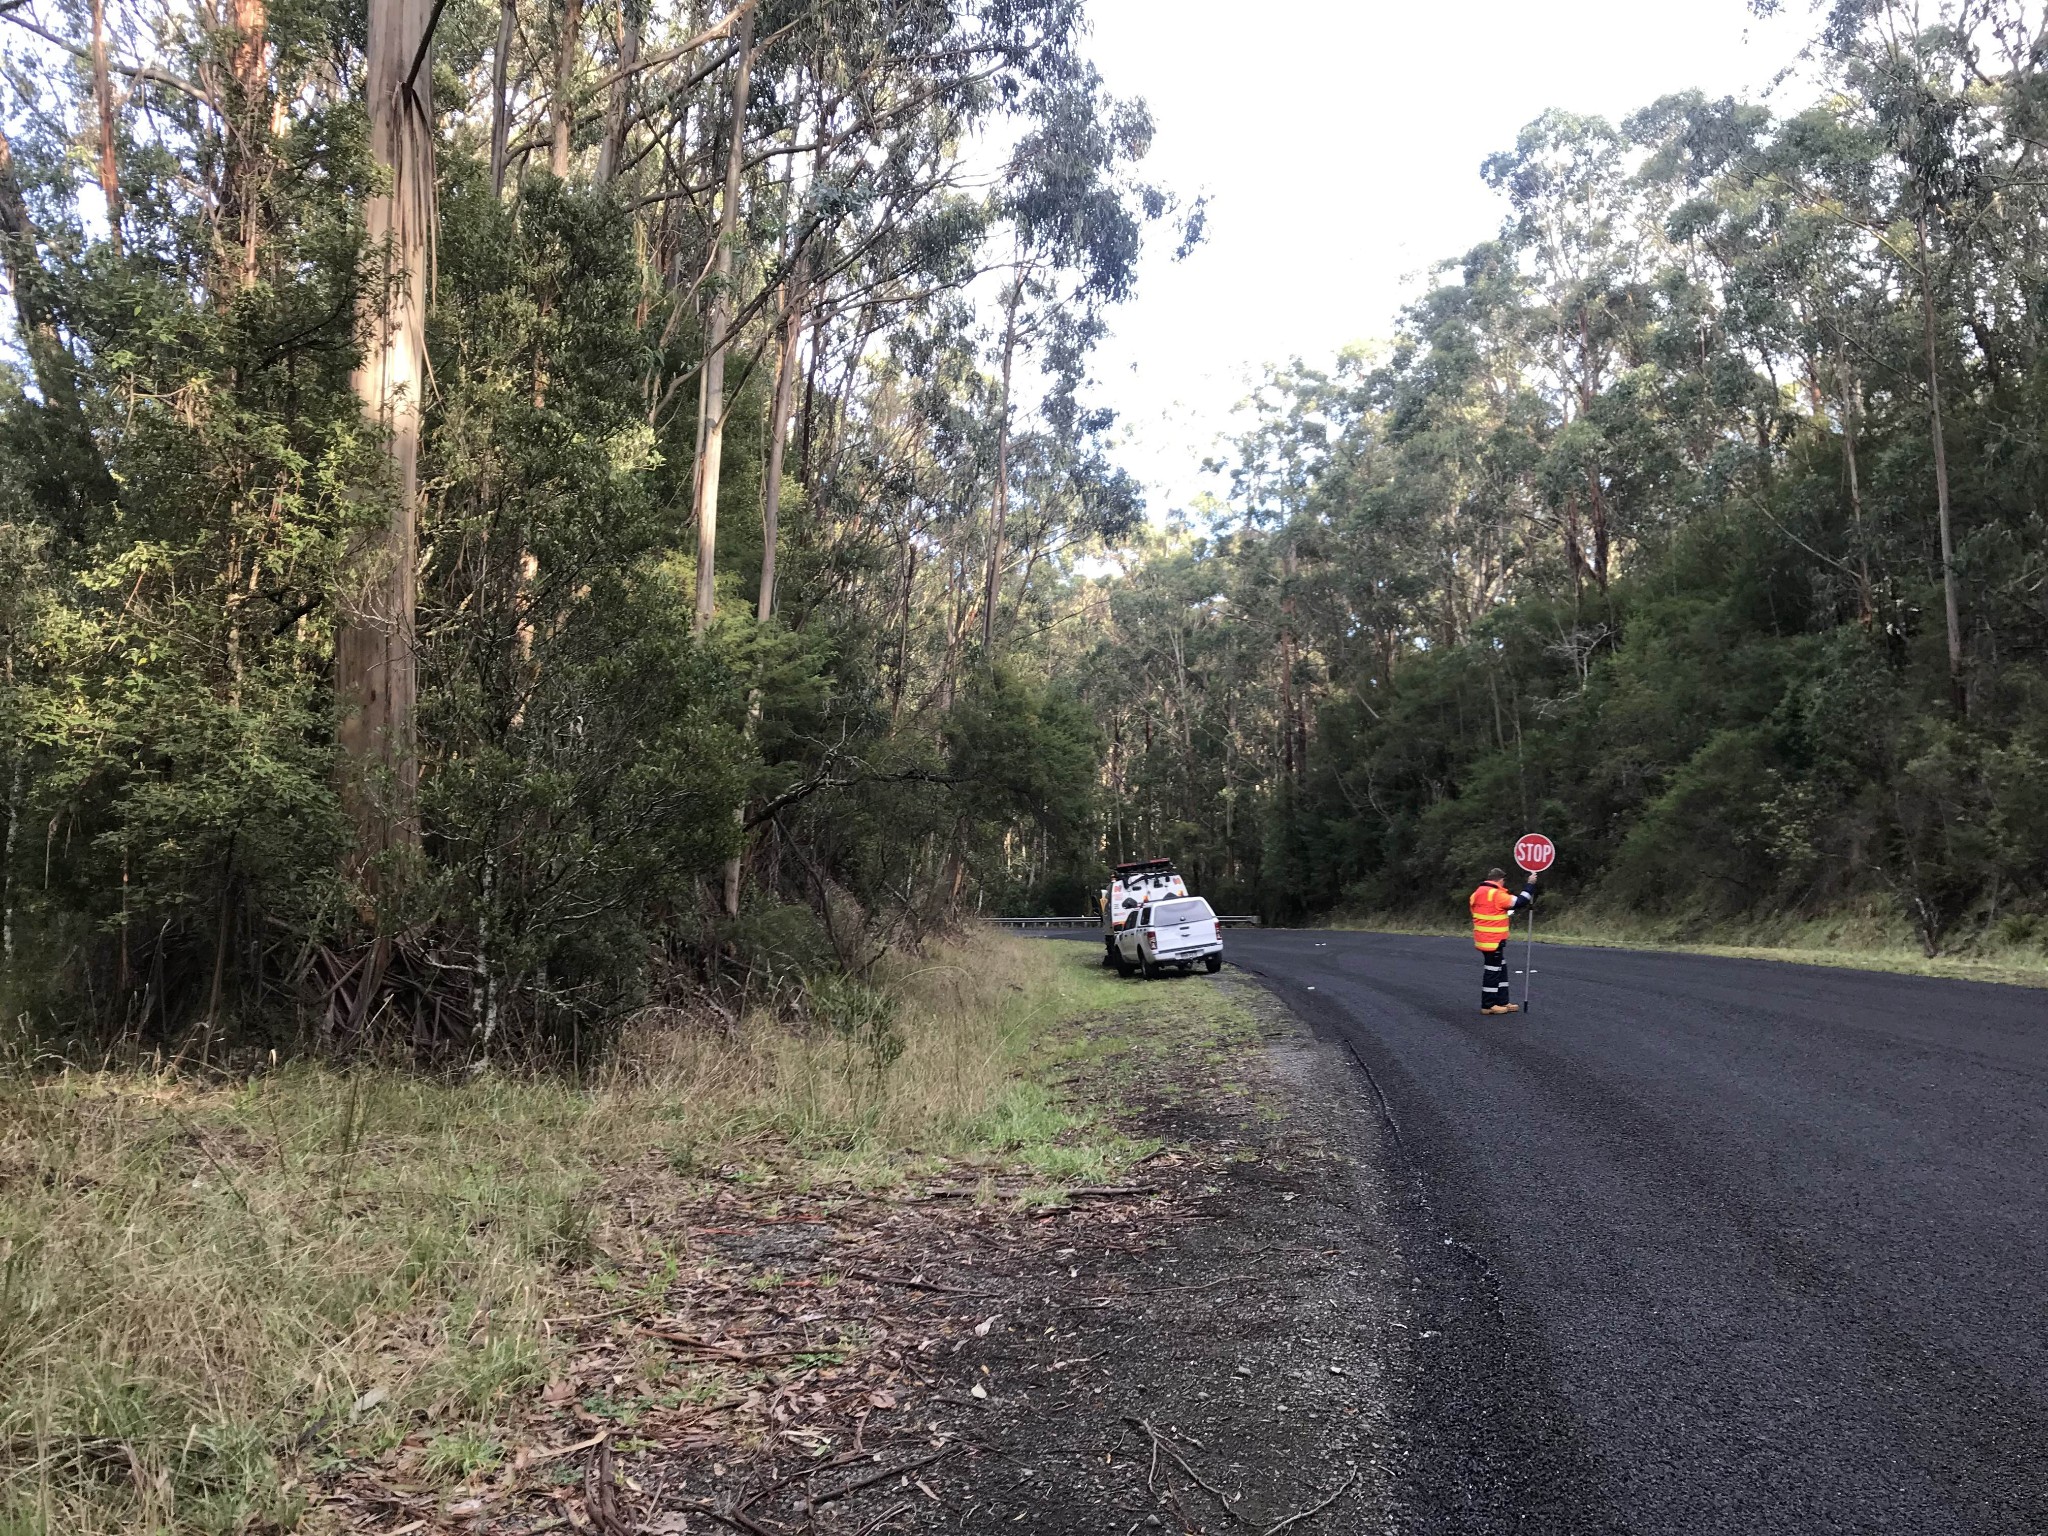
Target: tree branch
(824,779)
(134,71)
(670,55)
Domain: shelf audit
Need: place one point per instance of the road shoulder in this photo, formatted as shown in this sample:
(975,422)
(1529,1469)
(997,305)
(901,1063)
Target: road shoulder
(1808,946)
(1199,1347)
(1224,1367)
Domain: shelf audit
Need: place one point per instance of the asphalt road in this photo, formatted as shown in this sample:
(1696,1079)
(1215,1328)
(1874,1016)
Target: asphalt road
(1706,1245)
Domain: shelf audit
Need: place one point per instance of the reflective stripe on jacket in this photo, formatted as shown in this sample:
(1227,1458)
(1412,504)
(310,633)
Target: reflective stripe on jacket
(1491,906)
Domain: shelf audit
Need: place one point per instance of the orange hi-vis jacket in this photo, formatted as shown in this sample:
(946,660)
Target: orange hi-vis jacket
(1491,906)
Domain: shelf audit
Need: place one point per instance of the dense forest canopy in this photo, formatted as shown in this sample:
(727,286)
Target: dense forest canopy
(514,512)
(514,509)
(1697,520)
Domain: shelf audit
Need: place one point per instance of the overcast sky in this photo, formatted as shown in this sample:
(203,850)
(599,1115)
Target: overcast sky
(1340,143)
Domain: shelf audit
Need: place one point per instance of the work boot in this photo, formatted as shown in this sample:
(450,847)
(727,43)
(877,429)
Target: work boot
(1509,1008)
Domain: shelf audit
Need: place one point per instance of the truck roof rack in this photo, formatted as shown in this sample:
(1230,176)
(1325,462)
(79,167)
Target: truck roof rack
(1147,866)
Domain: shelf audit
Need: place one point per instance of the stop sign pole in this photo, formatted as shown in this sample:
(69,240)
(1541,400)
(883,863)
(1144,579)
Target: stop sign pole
(1535,853)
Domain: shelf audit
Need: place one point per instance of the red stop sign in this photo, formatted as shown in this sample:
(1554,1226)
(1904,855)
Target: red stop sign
(1535,852)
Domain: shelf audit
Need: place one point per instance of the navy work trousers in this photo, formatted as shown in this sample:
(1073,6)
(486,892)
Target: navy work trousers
(1493,983)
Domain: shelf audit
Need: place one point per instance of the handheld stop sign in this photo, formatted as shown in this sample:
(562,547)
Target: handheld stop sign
(1535,853)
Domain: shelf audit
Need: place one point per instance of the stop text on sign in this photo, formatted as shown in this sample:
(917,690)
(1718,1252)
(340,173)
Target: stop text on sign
(1535,852)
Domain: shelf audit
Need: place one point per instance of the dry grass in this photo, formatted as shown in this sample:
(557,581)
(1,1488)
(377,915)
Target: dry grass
(195,1277)
(207,1288)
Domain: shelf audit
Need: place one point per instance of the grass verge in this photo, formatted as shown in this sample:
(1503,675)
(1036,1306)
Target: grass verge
(215,1294)
(1858,942)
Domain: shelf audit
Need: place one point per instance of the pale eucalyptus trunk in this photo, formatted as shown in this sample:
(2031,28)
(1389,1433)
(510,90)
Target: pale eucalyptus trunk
(619,111)
(999,510)
(1852,413)
(711,426)
(561,103)
(375,668)
(103,100)
(501,104)
(718,339)
(771,522)
(1958,688)
(778,432)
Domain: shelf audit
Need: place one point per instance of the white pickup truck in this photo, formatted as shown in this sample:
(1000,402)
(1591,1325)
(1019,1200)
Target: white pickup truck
(1131,887)
(1182,933)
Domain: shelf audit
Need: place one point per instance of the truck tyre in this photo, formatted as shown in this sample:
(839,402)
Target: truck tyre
(1151,971)
(1108,956)
(1213,964)
(1123,966)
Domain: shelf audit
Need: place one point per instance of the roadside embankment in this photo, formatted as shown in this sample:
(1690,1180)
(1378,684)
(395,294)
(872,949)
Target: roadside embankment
(214,1293)
(753,1265)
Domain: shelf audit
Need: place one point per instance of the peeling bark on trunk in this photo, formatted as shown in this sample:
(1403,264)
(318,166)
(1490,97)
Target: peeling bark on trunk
(718,339)
(103,99)
(250,132)
(374,663)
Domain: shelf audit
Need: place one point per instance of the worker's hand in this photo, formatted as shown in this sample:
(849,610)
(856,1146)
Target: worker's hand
(1535,877)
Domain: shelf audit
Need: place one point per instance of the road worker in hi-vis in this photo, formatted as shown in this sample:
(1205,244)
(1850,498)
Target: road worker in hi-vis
(1493,912)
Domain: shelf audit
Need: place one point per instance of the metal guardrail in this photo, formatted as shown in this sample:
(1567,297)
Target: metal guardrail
(1036,924)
